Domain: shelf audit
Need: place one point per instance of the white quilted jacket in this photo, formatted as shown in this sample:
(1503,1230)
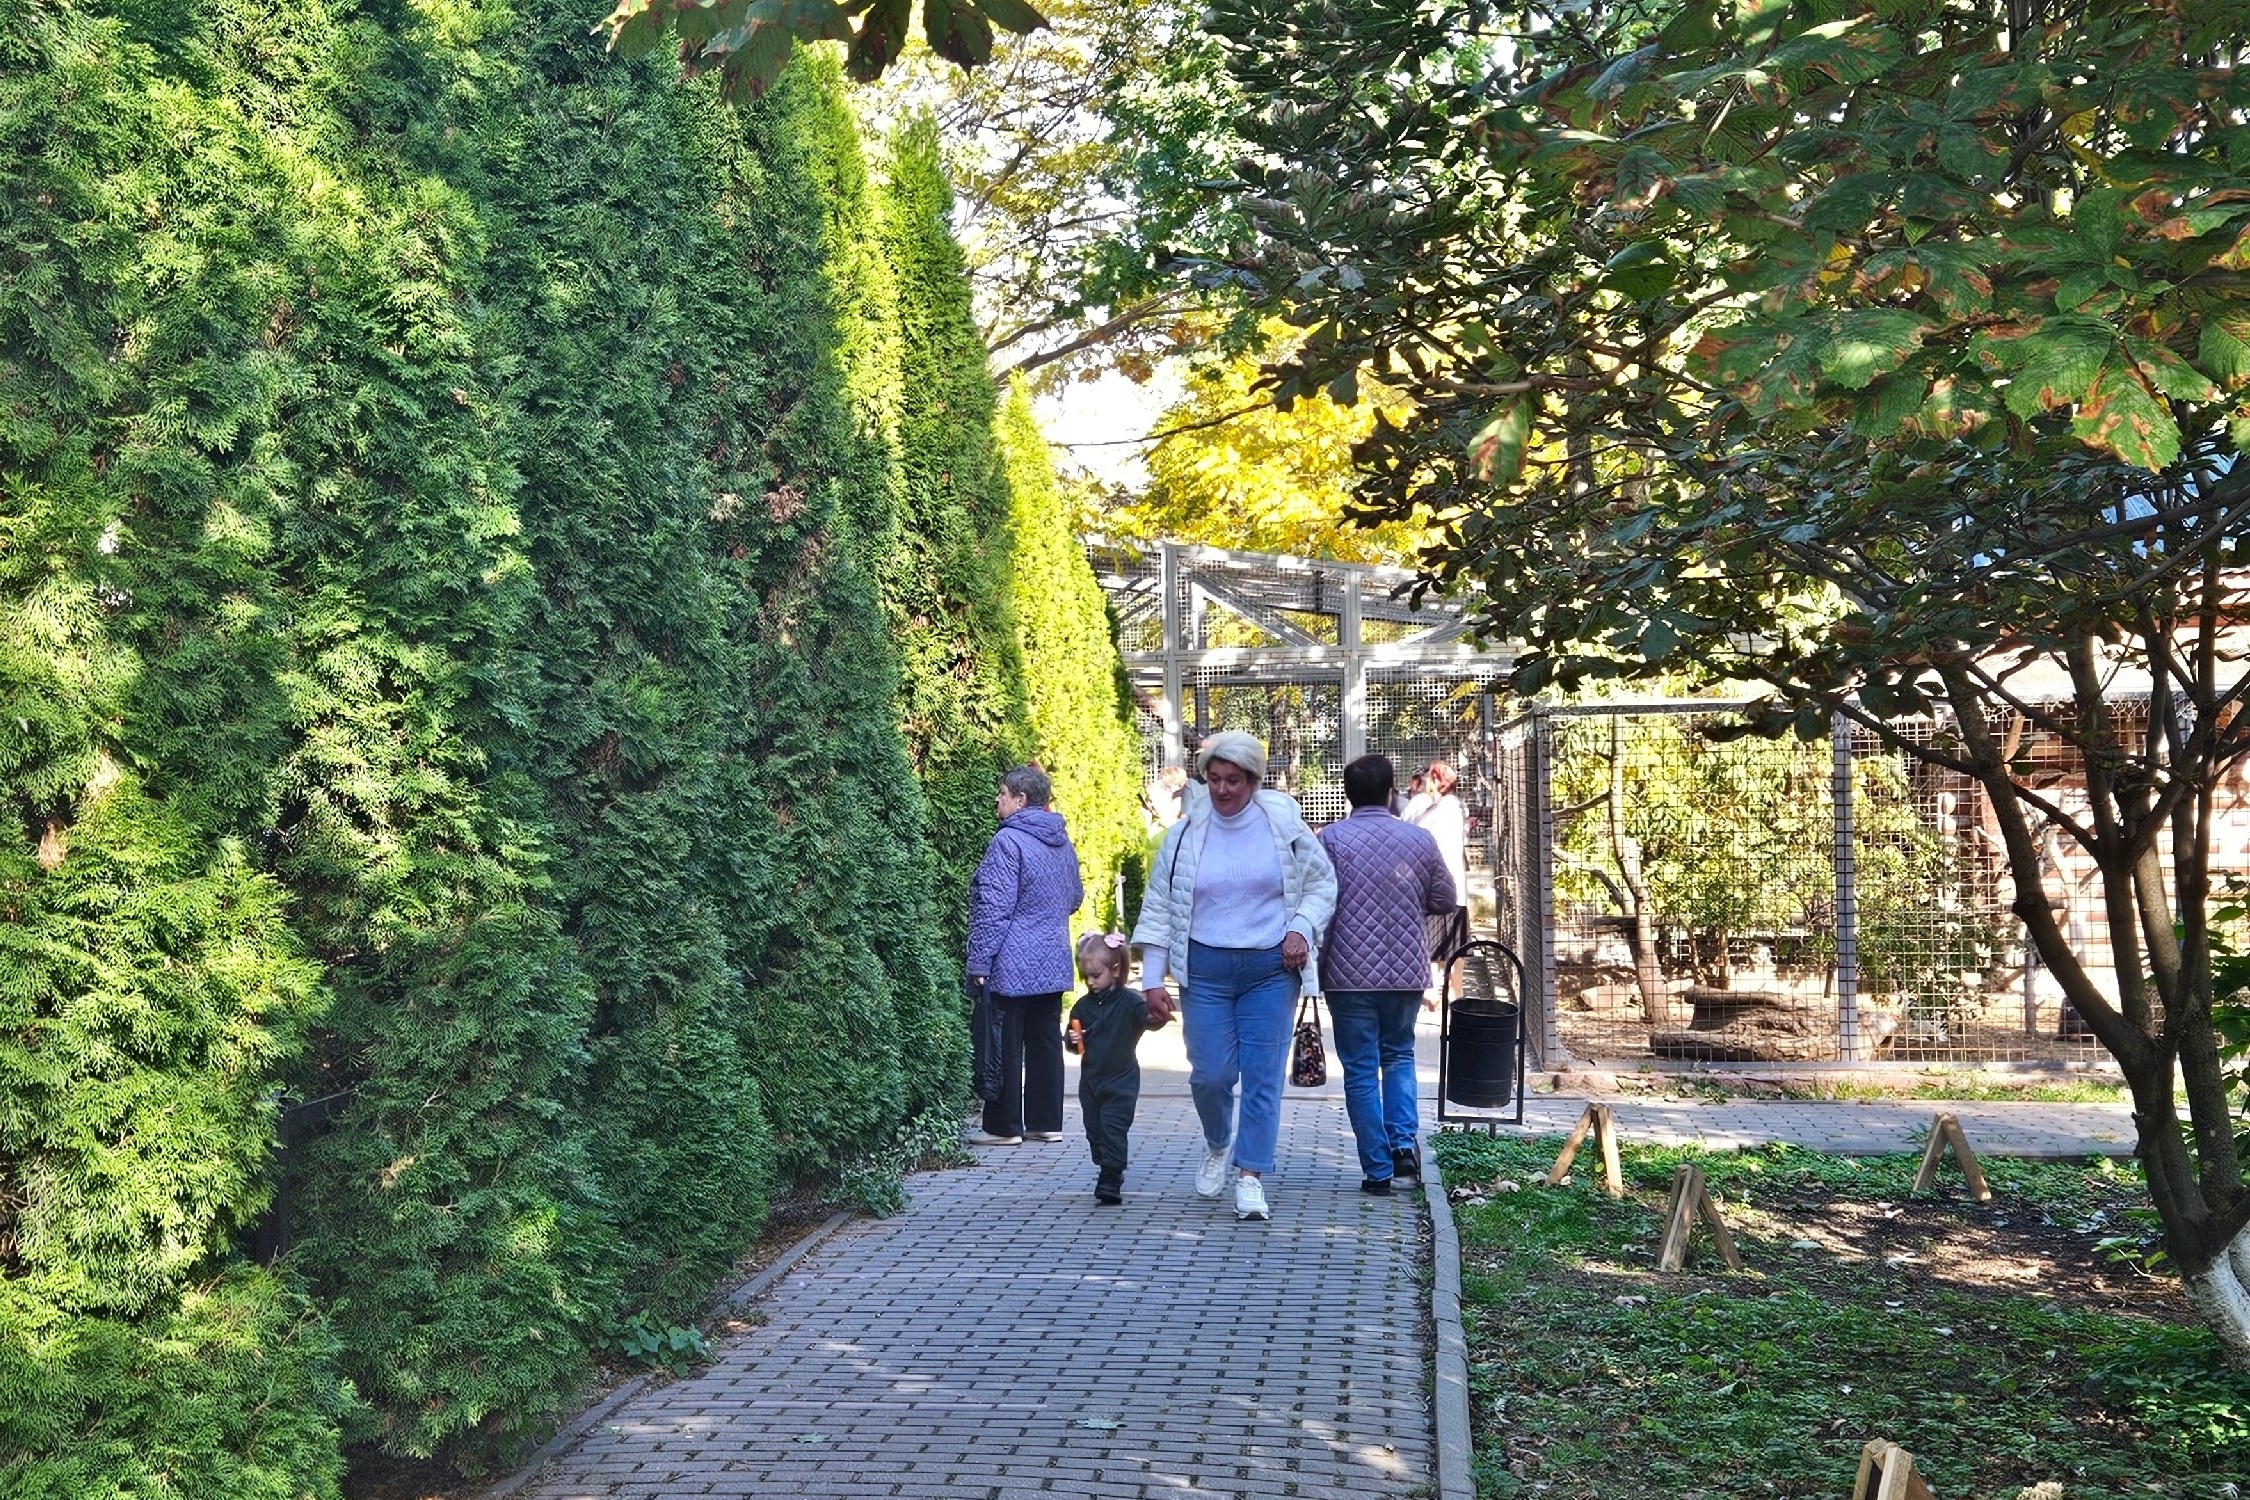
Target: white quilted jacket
(1308,881)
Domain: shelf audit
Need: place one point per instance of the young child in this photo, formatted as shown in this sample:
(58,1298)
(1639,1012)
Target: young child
(1105,1028)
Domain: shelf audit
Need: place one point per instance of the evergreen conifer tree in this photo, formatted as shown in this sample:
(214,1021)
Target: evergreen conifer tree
(1080,708)
(442,465)
(945,578)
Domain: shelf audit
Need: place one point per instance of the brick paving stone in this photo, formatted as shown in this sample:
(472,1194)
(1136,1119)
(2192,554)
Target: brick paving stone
(1006,1336)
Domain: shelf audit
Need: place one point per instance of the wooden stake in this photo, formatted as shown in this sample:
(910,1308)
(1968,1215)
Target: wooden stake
(1691,1198)
(1886,1472)
(1717,1225)
(1679,1218)
(1598,1119)
(1946,1133)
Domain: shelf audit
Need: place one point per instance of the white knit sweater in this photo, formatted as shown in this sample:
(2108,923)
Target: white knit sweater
(1308,886)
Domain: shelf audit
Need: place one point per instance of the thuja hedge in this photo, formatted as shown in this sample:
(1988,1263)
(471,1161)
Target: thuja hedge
(945,579)
(1080,701)
(455,488)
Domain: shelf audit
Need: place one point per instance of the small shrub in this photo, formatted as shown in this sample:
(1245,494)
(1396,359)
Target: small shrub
(643,1341)
(2175,1380)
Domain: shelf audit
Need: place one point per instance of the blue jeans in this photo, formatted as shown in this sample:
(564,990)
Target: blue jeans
(1375,1045)
(1238,1013)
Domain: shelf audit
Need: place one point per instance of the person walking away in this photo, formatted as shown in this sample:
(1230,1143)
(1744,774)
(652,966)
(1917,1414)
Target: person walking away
(1390,879)
(1105,1032)
(1239,895)
(1020,903)
(1436,808)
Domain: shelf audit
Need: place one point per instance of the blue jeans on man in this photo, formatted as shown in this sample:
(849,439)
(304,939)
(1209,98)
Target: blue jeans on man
(1238,1015)
(1374,1032)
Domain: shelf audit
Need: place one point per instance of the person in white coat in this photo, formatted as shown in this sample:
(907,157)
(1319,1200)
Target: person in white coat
(1238,900)
(1437,809)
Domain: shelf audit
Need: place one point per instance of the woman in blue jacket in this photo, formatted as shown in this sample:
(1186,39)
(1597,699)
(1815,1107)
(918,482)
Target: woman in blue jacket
(1020,904)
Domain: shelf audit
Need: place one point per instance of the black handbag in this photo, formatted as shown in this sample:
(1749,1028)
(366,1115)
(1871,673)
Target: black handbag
(1308,1059)
(985,1028)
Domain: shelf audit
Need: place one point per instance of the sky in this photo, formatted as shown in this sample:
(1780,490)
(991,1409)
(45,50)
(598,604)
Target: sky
(1092,423)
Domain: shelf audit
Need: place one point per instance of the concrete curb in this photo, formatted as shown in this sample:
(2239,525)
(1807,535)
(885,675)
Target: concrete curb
(574,1432)
(1455,1450)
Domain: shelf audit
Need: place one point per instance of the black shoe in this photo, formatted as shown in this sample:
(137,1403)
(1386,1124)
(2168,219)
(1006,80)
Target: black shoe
(1407,1162)
(1376,1187)
(1109,1192)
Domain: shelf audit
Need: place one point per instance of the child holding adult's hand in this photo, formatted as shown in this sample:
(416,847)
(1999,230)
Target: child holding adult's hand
(1105,1031)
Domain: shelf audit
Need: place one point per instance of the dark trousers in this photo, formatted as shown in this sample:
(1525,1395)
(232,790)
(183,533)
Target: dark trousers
(1108,1106)
(1031,1066)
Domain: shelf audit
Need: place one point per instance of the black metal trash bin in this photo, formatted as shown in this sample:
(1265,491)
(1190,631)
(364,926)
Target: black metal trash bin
(1480,1054)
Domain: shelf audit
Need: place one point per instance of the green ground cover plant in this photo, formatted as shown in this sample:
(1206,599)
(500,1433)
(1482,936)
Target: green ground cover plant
(2000,1343)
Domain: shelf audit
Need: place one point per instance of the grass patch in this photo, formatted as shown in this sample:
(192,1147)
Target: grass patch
(1994,1341)
(1969,1086)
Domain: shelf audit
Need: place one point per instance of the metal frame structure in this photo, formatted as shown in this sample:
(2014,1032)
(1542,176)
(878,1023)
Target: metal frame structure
(1163,594)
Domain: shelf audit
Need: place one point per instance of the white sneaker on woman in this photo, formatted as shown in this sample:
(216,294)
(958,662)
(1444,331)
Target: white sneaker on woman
(1250,1199)
(1211,1177)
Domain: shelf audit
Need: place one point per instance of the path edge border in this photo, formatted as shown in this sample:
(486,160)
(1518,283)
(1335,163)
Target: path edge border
(574,1432)
(1455,1451)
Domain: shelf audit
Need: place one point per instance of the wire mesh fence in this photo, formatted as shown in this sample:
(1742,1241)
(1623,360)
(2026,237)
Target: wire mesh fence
(1682,894)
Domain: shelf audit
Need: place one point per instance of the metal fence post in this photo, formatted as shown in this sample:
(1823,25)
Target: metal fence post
(1168,580)
(1539,766)
(1851,1042)
(1355,672)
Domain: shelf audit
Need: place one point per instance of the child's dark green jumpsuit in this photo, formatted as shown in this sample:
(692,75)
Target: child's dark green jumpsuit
(1109,1076)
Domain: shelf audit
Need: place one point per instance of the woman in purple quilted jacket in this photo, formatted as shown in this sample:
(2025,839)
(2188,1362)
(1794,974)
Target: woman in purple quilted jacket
(1020,904)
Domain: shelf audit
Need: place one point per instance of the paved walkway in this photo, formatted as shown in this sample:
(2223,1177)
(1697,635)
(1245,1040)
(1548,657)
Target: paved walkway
(1005,1337)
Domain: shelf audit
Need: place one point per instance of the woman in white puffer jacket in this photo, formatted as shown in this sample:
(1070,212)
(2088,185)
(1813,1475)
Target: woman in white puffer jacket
(1239,896)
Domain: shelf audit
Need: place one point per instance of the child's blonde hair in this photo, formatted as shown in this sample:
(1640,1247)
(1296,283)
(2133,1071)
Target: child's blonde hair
(1104,942)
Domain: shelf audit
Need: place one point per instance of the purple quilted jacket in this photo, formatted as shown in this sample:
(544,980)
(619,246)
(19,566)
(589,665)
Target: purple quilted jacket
(1389,875)
(1020,901)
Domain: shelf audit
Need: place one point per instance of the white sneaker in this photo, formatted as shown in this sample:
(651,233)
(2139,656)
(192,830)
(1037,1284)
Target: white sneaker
(1211,1177)
(1250,1199)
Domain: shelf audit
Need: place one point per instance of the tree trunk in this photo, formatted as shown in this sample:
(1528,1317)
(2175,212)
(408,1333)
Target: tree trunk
(2220,1292)
(1648,975)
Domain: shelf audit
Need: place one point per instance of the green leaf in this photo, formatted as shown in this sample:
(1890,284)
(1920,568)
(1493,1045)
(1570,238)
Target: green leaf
(882,32)
(1847,205)
(2099,219)
(1869,342)
(2169,374)
(1846,52)
(1791,376)
(1892,404)
(1498,450)
(956,32)
(1012,15)
(2078,288)
(1639,270)
(1642,176)
(1965,153)
(2224,349)
(2121,415)
(751,58)
(2051,362)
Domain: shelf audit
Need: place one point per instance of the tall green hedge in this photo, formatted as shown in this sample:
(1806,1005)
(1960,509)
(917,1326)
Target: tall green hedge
(443,476)
(1081,706)
(945,575)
